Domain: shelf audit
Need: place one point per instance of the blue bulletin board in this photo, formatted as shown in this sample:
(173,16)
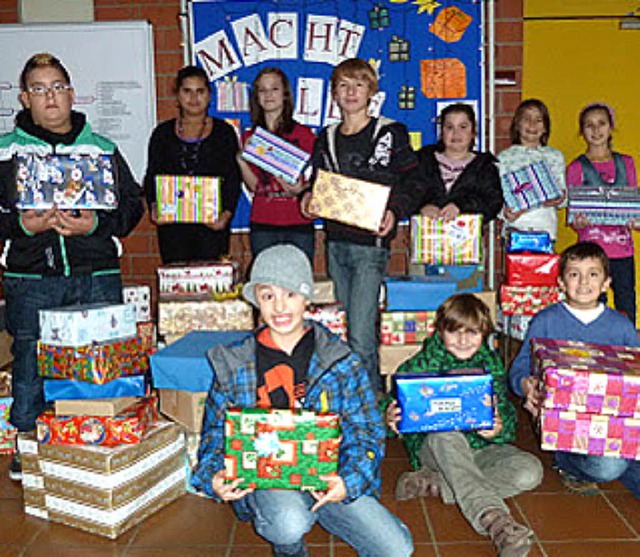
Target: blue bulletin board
(427,54)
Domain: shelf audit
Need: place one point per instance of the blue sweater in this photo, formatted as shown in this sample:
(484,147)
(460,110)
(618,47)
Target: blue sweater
(557,322)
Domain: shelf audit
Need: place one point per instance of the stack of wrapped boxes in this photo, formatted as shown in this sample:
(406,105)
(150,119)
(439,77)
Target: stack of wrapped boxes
(325,309)
(8,433)
(99,460)
(140,297)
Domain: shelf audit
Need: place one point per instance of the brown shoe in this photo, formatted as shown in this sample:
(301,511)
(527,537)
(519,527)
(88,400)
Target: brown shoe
(579,487)
(509,538)
(417,484)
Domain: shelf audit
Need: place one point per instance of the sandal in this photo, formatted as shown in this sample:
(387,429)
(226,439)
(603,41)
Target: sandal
(417,484)
(509,538)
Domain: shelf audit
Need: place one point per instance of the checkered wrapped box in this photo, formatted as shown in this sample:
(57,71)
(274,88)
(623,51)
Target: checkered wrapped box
(406,327)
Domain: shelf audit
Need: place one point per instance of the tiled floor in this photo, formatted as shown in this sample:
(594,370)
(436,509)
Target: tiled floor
(565,525)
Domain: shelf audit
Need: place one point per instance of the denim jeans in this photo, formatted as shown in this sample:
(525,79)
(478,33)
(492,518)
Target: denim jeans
(24,298)
(623,284)
(302,237)
(283,517)
(357,272)
(601,469)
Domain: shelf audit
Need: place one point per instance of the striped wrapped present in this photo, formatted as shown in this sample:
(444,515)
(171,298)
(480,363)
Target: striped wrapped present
(440,242)
(275,155)
(604,204)
(188,198)
(530,186)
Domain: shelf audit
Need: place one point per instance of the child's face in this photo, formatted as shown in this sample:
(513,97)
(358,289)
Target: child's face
(457,133)
(270,93)
(352,94)
(282,310)
(583,281)
(596,128)
(531,127)
(463,343)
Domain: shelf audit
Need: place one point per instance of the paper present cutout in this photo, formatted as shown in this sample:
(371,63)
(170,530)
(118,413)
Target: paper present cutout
(443,78)
(399,49)
(67,181)
(604,204)
(528,300)
(281,449)
(349,200)
(450,24)
(232,95)
(440,242)
(530,187)
(379,17)
(188,198)
(407,98)
(532,269)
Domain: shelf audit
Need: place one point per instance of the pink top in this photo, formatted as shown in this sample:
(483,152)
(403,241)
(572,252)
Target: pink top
(450,169)
(616,241)
(271,205)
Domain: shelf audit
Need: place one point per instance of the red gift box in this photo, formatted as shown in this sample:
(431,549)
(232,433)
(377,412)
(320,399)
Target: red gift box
(126,428)
(532,269)
(527,300)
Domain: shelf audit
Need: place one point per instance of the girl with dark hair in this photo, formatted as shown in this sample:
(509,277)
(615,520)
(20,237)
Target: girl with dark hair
(194,144)
(275,213)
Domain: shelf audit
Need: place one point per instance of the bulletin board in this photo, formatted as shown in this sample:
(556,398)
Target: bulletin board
(427,54)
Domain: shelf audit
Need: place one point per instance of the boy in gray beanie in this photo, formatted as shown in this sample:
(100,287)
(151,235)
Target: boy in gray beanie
(293,363)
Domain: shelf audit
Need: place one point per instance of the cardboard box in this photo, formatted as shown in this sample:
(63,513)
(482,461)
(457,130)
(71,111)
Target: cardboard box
(391,357)
(281,449)
(140,296)
(332,316)
(190,280)
(349,201)
(530,187)
(406,327)
(68,389)
(323,291)
(445,402)
(93,407)
(604,204)
(188,199)
(440,242)
(532,269)
(83,324)
(182,316)
(184,407)
(528,300)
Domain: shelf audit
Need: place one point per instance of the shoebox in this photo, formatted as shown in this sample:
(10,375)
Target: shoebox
(349,200)
(281,449)
(604,204)
(528,300)
(332,316)
(391,356)
(8,440)
(586,377)
(67,181)
(188,199)
(440,242)
(147,335)
(94,363)
(177,316)
(83,324)
(586,433)
(104,490)
(514,326)
(529,241)
(140,296)
(532,269)
(94,407)
(463,401)
(184,366)
(417,293)
(68,389)
(127,427)
(468,278)
(203,279)
(275,155)
(5,409)
(323,291)
(406,327)
(530,186)
(184,407)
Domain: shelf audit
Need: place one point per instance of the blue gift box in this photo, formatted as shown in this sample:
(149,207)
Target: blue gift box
(68,389)
(468,278)
(417,293)
(445,402)
(534,242)
(184,366)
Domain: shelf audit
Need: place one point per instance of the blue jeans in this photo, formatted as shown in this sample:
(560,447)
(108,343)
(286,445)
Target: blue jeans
(283,517)
(601,469)
(623,284)
(265,237)
(357,272)
(24,298)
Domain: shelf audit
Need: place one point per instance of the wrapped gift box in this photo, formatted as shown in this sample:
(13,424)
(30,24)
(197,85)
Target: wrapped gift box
(532,269)
(530,186)
(514,326)
(182,316)
(440,242)
(5,409)
(276,156)
(140,296)
(594,434)
(391,356)
(183,365)
(67,181)
(406,327)
(349,201)
(604,204)
(83,324)
(188,198)
(417,293)
(125,428)
(528,300)
(586,377)
(323,291)
(95,363)
(468,278)
(94,407)
(68,389)
(192,280)
(147,336)
(8,440)
(184,407)
(533,242)
(445,402)
(280,448)
(332,316)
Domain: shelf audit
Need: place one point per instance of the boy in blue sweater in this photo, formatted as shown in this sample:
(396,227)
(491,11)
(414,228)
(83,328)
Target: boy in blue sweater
(584,275)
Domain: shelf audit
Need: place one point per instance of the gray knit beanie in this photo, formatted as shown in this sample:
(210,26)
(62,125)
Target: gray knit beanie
(282,265)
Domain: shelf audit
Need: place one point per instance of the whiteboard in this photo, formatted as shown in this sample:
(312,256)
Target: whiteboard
(111,67)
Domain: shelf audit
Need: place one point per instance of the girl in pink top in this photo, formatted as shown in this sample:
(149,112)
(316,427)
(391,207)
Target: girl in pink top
(601,166)
(275,213)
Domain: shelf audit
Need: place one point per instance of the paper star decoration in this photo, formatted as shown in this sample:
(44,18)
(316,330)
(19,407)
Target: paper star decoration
(427,6)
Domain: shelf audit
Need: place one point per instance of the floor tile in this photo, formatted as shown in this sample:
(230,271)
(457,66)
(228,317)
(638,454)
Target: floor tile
(628,506)
(58,535)
(67,551)
(8,489)
(391,469)
(187,551)
(395,448)
(265,551)
(7,550)
(15,526)
(246,535)
(474,549)
(595,548)
(413,514)
(448,523)
(424,550)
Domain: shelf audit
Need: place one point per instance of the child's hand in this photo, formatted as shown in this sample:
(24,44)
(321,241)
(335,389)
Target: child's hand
(532,389)
(449,212)
(336,492)
(393,417)
(387,224)
(430,211)
(555,202)
(510,214)
(580,221)
(497,423)
(230,491)
(304,206)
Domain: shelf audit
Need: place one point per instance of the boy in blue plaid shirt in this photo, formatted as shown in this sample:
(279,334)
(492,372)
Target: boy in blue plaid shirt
(293,363)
